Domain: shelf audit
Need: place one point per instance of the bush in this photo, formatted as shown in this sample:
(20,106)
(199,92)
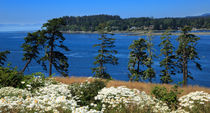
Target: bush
(169,97)
(13,92)
(33,81)
(199,108)
(86,92)
(10,77)
(121,108)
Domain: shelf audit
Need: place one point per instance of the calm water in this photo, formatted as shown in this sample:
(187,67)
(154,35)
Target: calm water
(81,56)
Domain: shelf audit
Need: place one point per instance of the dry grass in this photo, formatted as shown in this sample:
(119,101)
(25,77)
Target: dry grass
(137,85)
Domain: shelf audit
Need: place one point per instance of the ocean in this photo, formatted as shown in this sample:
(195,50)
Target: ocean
(81,56)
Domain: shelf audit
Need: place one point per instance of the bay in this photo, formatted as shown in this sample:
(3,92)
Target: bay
(81,56)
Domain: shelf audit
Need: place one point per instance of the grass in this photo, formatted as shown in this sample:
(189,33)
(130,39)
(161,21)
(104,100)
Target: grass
(133,85)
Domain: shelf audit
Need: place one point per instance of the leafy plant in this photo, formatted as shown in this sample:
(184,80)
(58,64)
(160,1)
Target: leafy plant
(169,97)
(10,77)
(33,81)
(85,92)
(132,108)
(199,108)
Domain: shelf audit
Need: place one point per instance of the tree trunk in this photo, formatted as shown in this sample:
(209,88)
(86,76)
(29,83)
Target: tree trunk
(26,65)
(185,72)
(51,58)
(138,65)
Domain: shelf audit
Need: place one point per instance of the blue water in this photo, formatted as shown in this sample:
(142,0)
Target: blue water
(81,56)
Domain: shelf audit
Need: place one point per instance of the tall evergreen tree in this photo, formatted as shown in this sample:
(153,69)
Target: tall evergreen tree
(53,47)
(105,56)
(32,46)
(168,63)
(137,58)
(186,52)
(3,57)
(149,73)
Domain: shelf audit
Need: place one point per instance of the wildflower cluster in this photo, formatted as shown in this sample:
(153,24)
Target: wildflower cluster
(112,97)
(91,97)
(199,97)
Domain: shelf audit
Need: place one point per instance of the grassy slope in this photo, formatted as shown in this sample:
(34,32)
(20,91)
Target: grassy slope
(137,85)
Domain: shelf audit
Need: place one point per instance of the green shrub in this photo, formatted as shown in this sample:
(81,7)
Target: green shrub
(199,108)
(13,92)
(86,92)
(33,81)
(10,77)
(121,108)
(169,97)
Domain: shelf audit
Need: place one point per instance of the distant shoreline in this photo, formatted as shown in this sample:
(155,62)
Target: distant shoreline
(135,33)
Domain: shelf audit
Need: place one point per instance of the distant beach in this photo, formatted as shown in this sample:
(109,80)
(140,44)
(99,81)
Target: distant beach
(139,33)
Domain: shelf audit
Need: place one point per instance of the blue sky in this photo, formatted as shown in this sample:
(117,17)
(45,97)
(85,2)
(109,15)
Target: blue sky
(39,11)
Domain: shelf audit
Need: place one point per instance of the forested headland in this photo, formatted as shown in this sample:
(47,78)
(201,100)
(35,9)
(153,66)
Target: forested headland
(116,23)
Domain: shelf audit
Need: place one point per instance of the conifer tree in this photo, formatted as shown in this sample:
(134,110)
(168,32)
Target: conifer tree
(149,73)
(105,56)
(186,52)
(3,57)
(137,59)
(32,46)
(168,62)
(53,47)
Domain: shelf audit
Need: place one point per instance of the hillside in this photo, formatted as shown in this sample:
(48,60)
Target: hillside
(116,23)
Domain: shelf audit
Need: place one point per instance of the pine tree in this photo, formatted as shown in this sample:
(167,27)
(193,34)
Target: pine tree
(186,52)
(53,47)
(3,57)
(137,58)
(32,46)
(168,63)
(149,73)
(105,56)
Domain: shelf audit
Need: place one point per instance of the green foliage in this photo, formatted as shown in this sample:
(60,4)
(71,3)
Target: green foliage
(3,57)
(10,77)
(32,46)
(132,108)
(149,73)
(13,92)
(186,52)
(115,23)
(53,45)
(168,62)
(199,108)
(33,81)
(137,58)
(169,97)
(105,56)
(13,78)
(86,92)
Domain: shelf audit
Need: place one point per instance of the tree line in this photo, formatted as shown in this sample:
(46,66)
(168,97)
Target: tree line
(50,40)
(116,23)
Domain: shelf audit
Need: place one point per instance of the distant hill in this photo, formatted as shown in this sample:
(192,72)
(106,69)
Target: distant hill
(116,23)
(206,15)
(200,16)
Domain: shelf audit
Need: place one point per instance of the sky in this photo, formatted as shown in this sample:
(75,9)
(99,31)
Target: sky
(39,11)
